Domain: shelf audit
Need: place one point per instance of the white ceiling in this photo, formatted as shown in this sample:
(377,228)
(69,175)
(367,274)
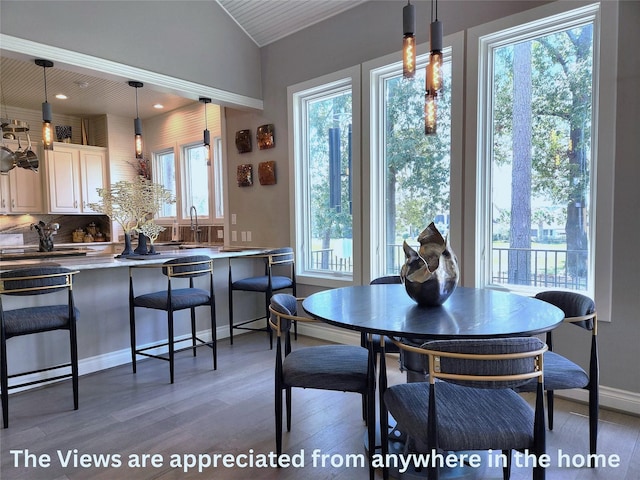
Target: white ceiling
(264,21)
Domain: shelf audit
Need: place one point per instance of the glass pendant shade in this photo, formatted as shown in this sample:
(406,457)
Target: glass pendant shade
(47,128)
(137,126)
(206,134)
(430,114)
(137,123)
(408,41)
(47,115)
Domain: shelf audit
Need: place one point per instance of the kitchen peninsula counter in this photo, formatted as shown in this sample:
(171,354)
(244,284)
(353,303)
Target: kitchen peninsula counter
(108,258)
(101,294)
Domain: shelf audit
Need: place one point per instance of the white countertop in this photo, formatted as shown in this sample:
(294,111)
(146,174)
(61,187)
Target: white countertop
(99,259)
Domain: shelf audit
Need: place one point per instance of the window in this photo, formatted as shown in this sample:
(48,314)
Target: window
(325,160)
(189,177)
(164,173)
(218,177)
(411,172)
(537,153)
(195,180)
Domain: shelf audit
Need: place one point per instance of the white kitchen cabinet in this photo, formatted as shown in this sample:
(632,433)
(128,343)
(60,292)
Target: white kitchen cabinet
(20,189)
(74,172)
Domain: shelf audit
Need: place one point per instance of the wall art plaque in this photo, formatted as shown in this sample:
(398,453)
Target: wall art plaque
(266,136)
(267,173)
(243,141)
(245,175)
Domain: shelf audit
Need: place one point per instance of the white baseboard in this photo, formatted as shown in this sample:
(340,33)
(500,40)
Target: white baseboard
(613,398)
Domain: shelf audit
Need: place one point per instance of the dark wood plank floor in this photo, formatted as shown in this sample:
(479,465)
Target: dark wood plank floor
(230,411)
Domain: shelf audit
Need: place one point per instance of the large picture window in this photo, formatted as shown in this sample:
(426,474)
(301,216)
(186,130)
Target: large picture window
(538,160)
(411,170)
(325,154)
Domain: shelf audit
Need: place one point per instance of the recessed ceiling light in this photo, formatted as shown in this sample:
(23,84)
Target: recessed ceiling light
(61,96)
(158,106)
(81,84)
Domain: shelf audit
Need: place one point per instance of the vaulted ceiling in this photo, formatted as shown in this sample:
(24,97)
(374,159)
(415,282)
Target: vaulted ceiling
(264,21)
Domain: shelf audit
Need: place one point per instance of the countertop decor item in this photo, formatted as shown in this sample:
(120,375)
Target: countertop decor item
(132,204)
(430,275)
(266,136)
(243,141)
(45,234)
(267,173)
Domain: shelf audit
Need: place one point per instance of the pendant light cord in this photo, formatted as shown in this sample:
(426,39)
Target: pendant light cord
(44,73)
(137,115)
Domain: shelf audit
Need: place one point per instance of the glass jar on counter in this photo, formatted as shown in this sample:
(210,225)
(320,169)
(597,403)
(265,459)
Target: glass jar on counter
(77,235)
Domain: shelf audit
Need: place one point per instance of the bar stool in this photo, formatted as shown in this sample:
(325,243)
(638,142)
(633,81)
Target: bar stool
(279,274)
(172,300)
(37,319)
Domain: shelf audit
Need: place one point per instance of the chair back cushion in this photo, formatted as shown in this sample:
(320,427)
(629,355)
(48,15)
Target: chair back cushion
(285,304)
(572,304)
(184,265)
(476,366)
(43,285)
(386,280)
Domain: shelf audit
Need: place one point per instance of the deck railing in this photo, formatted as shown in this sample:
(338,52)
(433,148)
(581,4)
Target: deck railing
(549,267)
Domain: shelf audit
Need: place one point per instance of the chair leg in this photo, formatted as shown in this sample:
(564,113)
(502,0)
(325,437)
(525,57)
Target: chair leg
(214,334)
(73,343)
(193,330)
(230,315)
(171,345)
(132,333)
(269,330)
(593,418)
(4,384)
(550,409)
(288,397)
(506,469)
(278,420)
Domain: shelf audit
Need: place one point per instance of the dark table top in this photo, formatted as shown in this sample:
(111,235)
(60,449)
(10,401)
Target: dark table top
(468,313)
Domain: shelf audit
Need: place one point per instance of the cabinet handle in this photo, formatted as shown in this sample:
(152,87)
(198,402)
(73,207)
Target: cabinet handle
(13,203)
(3,203)
(75,204)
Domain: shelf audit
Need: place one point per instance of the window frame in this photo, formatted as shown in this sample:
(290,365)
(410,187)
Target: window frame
(477,174)
(296,96)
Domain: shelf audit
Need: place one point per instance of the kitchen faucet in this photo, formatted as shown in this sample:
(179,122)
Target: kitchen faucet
(194,228)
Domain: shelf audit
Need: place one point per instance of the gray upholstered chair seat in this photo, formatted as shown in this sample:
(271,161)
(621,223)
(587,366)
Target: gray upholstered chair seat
(181,298)
(327,367)
(493,419)
(559,373)
(25,321)
(260,284)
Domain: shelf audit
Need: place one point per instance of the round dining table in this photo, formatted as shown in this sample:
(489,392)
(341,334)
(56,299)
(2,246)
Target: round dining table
(388,310)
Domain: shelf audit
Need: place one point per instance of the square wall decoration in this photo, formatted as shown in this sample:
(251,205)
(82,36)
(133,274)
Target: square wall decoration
(245,175)
(267,173)
(266,136)
(243,141)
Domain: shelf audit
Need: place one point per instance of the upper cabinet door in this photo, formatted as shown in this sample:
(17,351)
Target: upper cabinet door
(25,187)
(93,175)
(63,165)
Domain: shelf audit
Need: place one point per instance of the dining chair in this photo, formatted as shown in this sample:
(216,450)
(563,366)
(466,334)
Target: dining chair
(48,315)
(279,274)
(469,402)
(172,300)
(345,368)
(376,339)
(562,373)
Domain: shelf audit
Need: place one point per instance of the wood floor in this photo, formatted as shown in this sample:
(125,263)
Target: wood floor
(230,411)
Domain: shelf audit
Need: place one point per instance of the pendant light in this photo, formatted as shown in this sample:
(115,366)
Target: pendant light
(137,123)
(408,41)
(47,115)
(207,134)
(433,72)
